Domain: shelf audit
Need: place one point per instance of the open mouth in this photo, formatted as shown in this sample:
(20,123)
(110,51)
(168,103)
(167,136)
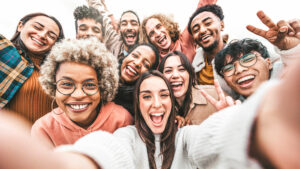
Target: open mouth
(131,71)
(38,42)
(176,85)
(157,118)
(204,38)
(130,37)
(245,81)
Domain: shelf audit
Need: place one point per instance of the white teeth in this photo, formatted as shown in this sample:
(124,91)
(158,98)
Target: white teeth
(78,106)
(157,114)
(205,37)
(176,83)
(245,78)
(37,41)
(132,70)
(161,39)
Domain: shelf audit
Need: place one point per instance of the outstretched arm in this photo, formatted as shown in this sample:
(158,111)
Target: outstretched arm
(284,35)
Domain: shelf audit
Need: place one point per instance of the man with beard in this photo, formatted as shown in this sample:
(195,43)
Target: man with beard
(88,22)
(118,44)
(206,25)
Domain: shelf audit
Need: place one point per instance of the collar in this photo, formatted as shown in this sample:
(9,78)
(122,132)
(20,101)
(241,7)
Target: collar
(197,97)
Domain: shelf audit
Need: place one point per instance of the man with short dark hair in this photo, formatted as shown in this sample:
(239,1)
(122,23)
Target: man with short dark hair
(118,44)
(206,25)
(88,22)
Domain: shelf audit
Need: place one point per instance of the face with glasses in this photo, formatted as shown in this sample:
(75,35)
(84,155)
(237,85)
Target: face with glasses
(246,74)
(77,92)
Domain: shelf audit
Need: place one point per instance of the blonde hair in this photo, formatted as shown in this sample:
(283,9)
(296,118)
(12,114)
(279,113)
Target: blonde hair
(86,51)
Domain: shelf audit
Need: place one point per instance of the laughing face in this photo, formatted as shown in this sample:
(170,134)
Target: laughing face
(246,80)
(178,77)
(129,29)
(206,29)
(155,103)
(78,106)
(39,34)
(158,34)
(89,27)
(136,63)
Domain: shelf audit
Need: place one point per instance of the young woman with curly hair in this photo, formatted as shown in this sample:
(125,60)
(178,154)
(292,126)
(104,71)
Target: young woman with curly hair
(164,33)
(82,77)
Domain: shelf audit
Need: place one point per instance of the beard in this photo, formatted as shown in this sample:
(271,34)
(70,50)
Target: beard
(210,47)
(129,46)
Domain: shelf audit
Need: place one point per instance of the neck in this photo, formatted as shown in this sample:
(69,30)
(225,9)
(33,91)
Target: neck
(180,100)
(210,55)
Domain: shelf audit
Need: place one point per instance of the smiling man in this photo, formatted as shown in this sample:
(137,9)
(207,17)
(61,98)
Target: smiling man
(206,25)
(88,22)
(118,44)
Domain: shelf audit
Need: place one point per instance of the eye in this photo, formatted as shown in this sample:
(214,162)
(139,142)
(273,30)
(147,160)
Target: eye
(134,23)
(208,23)
(96,30)
(248,58)
(134,55)
(151,34)
(53,37)
(195,29)
(146,97)
(167,71)
(65,84)
(147,65)
(182,69)
(228,68)
(90,86)
(165,95)
(37,27)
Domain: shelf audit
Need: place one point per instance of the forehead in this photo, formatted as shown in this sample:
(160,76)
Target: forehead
(153,84)
(89,22)
(46,22)
(129,16)
(76,71)
(173,61)
(229,58)
(145,52)
(201,17)
(151,23)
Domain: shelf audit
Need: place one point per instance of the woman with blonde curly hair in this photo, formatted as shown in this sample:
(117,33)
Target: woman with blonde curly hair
(164,33)
(82,77)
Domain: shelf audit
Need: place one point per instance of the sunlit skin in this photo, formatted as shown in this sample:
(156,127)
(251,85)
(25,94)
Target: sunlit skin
(129,29)
(178,77)
(78,106)
(155,103)
(206,30)
(39,34)
(246,80)
(136,63)
(158,34)
(87,27)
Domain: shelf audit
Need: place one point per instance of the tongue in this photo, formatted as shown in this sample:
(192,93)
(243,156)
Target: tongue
(156,119)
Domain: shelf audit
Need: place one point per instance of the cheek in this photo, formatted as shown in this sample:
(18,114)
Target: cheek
(60,99)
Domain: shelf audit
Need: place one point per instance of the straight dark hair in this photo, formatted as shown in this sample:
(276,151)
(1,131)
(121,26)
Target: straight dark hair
(184,108)
(167,142)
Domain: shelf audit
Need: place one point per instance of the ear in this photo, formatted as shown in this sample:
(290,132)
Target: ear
(269,64)
(20,26)
(222,25)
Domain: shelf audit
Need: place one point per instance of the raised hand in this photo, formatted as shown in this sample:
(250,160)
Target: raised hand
(180,121)
(285,34)
(223,102)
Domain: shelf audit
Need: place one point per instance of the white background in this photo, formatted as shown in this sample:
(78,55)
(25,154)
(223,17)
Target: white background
(238,13)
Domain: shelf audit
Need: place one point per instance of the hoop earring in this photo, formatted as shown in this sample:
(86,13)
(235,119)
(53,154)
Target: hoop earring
(52,105)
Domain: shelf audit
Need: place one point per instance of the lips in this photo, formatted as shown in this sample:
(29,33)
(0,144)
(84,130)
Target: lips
(131,71)
(78,107)
(204,38)
(245,81)
(176,85)
(38,41)
(130,36)
(157,118)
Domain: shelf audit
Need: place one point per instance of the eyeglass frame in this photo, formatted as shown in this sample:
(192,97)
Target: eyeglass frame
(74,88)
(251,53)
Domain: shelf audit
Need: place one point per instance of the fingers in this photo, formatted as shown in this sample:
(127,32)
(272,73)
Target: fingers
(212,100)
(229,101)
(284,28)
(219,90)
(295,25)
(266,20)
(180,121)
(238,102)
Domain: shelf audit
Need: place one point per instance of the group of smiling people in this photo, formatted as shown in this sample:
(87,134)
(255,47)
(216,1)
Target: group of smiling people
(108,100)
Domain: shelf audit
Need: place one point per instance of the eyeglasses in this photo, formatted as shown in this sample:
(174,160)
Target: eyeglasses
(245,61)
(67,87)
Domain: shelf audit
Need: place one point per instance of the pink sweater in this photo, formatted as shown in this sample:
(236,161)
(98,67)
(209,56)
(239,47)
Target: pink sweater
(55,128)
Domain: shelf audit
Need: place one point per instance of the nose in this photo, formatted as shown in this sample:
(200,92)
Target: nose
(156,32)
(43,34)
(239,68)
(203,29)
(156,102)
(175,74)
(138,63)
(78,93)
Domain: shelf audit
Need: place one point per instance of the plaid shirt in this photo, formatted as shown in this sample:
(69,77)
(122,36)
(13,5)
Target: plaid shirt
(14,70)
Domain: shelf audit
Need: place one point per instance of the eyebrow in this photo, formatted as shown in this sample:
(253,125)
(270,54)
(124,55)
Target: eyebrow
(148,91)
(44,26)
(172,67)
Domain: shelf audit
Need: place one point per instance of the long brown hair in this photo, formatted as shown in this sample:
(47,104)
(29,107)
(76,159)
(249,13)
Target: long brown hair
(167,141)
